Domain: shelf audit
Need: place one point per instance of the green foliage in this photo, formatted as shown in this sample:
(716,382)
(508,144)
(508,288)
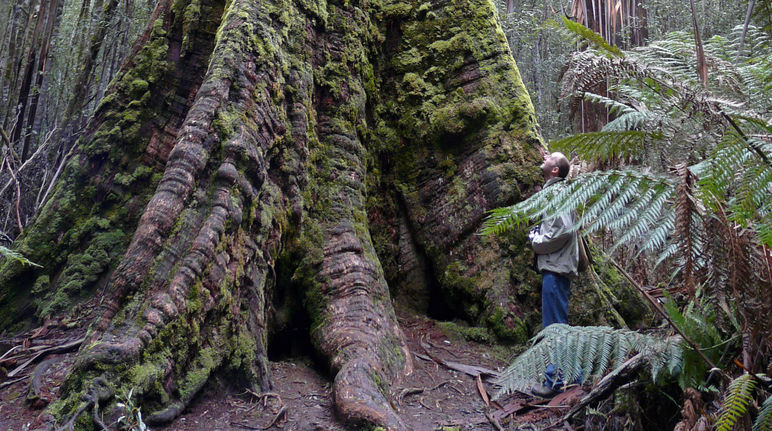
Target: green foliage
(588,352)
(632,202)
(16,256)
(738,396)
(605,146)
(763,421)
(583,37)
(665,118)
(697,323)
(131,419)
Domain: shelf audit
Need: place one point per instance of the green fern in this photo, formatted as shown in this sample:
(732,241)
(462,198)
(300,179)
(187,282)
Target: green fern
(738,397)
(604,146)
(582,36)
(16,256)
(587,352)
(763,421)
(629,201)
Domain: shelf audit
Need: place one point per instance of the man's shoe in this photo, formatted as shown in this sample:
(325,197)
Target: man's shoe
(544,391)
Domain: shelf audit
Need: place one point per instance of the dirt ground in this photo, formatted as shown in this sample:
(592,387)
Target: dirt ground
(443,392)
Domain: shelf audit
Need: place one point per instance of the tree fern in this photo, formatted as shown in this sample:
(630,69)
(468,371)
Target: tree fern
(600,186)
(588,352)
(603,146)
(15,256)
(583,37)
(763,421)
(739,395)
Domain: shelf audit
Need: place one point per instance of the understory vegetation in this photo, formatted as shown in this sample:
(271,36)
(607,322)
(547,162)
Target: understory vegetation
(317,140)
(679,179)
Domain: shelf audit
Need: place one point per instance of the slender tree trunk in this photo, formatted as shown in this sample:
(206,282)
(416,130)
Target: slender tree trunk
(247,139)
(52,22)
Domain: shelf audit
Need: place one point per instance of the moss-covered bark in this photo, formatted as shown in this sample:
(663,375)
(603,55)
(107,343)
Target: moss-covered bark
(352,143)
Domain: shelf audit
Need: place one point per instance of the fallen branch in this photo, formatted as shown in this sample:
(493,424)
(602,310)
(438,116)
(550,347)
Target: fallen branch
(494,422)
(8,352)
(96,417)
(11,382)
(472,370)
(245,426)
(56,349)
(279,417)
(607,385)
(661,311)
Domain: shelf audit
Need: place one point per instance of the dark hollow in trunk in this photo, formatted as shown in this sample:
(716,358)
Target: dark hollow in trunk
(252,160)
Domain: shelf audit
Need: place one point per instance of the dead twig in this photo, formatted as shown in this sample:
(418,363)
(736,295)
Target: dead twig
(29,160)
(494,421)
(408,392)
(661,311)
(421,402)
(483,392)
(607,385)
(69,425)
(11,350)
(56,349)
(245,426)
(264,397)
(96,417)
(472,370)
(11,382)
(282,415)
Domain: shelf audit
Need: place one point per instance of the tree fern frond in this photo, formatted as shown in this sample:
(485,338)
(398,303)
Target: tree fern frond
(738,397)
(648,216)
(633,120)
(583,36)
(614,106)
(763,421)
(599,186)
(658,237)
(604,146)
(666,254)
(16,256)
(602,349)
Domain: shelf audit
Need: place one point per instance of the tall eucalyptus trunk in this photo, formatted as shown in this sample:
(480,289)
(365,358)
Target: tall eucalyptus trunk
(334,153)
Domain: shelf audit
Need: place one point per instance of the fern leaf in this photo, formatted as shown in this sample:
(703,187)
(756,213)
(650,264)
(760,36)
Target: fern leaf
(601,348)
(738,397)
(584,34)
(16,256)
(604,146)
(763,421)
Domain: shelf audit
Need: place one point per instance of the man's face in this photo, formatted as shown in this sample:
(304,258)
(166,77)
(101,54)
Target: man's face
(549,167)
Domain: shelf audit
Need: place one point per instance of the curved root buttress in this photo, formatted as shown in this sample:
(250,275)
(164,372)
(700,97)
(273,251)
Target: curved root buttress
(285,128)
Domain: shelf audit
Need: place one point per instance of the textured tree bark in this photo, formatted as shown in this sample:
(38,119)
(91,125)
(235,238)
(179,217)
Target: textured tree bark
(289,137)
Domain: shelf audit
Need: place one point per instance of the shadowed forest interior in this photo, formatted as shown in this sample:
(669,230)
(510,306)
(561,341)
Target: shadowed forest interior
(299,214)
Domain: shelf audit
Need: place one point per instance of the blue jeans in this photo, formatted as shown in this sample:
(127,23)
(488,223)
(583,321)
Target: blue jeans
(555,290)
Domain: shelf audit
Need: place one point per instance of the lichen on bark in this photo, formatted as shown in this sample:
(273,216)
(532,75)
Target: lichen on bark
(292,138)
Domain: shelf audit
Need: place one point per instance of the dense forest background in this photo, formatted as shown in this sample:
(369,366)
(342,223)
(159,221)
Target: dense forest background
(58,57)
(664,107)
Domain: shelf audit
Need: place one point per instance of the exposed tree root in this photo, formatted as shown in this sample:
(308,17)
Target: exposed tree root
(272,155)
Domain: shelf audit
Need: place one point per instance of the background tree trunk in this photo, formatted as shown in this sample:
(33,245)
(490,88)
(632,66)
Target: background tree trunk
(278,149)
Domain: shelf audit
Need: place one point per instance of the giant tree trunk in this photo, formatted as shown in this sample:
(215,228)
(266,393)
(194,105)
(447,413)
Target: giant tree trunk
(250,150)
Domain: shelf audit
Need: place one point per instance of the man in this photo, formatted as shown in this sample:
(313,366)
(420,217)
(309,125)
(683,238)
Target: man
(557,258)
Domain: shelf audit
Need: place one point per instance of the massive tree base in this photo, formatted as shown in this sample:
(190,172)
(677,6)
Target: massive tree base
(291,157)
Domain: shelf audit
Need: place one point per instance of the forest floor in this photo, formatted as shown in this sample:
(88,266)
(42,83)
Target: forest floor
(447,388)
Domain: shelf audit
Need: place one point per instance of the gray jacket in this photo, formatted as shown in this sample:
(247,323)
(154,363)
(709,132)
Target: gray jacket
(555,245)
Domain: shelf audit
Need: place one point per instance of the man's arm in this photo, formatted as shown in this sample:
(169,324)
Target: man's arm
(553,235)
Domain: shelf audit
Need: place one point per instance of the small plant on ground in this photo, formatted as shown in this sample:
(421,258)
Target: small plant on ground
(131,420)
